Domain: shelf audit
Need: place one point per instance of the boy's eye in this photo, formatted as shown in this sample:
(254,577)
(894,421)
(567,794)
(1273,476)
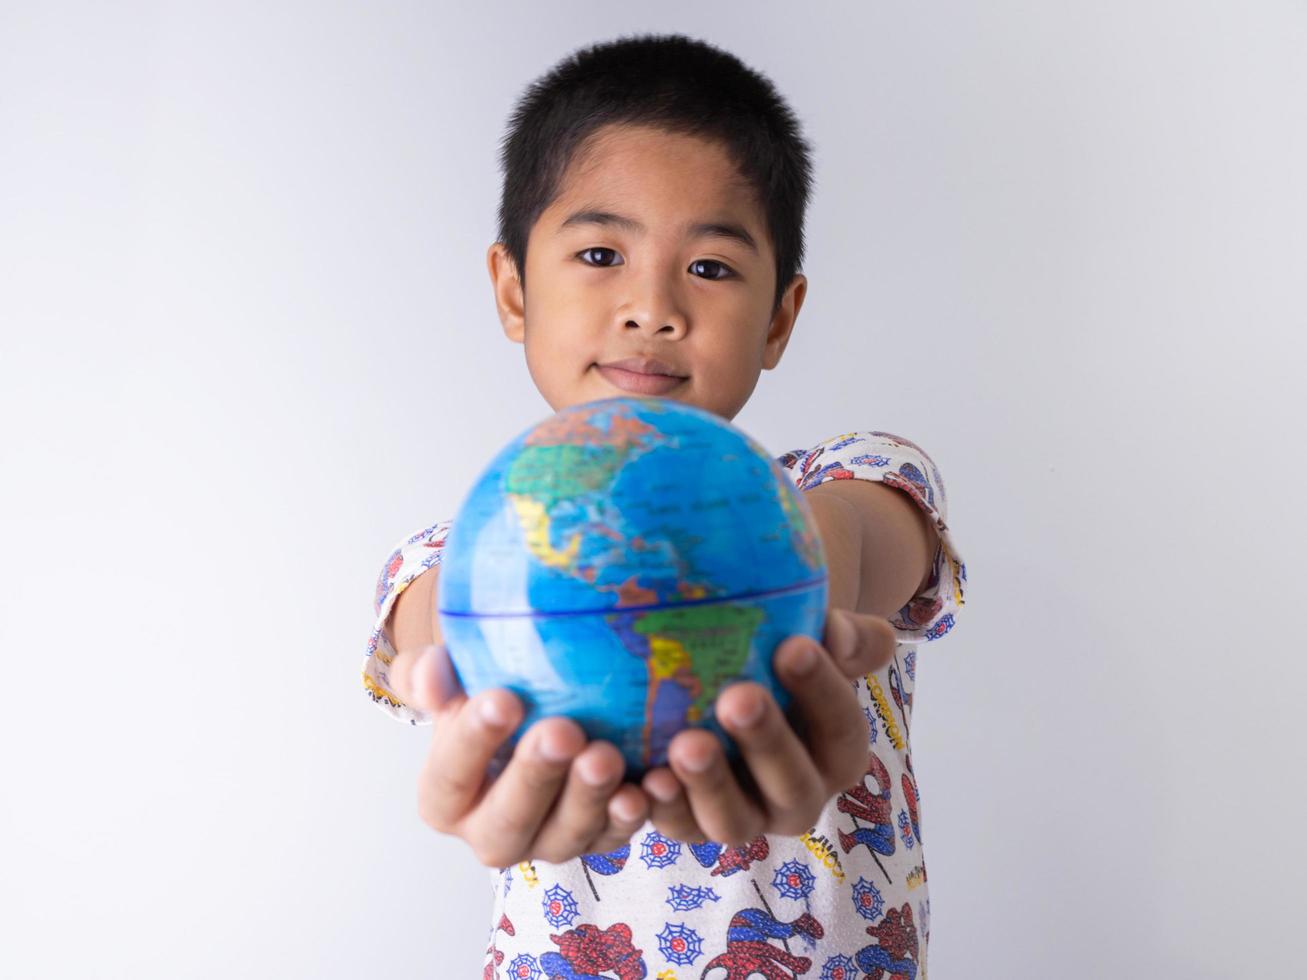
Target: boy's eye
(726,272)
(595,249)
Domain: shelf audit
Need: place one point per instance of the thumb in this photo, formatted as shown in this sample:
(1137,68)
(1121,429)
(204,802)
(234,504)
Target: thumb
(433,682)
(859,643)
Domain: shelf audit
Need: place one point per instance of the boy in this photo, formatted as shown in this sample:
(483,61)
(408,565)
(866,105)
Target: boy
(650,237)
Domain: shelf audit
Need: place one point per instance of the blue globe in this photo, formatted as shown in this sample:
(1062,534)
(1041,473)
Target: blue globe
(620,563)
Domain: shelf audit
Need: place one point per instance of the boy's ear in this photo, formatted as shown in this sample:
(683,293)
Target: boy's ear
(509,298)
(782,324)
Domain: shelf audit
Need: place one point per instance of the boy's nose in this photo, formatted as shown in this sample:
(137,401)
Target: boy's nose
(664,319)
(654,307)
(669,328)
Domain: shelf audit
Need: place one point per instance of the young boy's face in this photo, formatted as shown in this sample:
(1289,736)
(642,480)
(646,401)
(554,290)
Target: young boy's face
(600,291)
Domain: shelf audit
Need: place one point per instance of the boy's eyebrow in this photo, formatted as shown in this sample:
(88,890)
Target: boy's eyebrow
(702,229)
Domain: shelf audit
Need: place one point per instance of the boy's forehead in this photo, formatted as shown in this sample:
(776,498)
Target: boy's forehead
(625,169)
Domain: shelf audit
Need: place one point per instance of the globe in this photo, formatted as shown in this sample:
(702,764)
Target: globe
(622,561)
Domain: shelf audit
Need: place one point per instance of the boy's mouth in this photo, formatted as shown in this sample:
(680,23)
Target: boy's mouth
(644,376)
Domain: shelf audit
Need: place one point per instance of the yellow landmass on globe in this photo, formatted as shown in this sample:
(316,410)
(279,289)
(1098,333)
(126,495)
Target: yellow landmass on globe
(535,526)
(668,661)
(666,657)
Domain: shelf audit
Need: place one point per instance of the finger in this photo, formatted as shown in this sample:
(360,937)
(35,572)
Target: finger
(670,807)
(717,801)
(581,814)
(858,643)
(835,729)
(628,809)
(502,827)
(400,671)
(463,742)
(424,678)
(784,774)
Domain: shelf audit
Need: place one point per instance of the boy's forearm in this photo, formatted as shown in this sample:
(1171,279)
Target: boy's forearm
(880,546)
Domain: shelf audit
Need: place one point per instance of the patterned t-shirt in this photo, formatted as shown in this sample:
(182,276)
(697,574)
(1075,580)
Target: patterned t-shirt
(846,900)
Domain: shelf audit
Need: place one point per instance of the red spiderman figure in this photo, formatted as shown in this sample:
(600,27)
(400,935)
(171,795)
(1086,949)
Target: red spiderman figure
(496,955)
(895,950)
(734,859)
(909,783)
(859,802)
(585,951)
(749,953)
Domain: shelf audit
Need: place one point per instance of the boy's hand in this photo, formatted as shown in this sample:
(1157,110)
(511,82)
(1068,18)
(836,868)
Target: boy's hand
(554,799)
(699,797)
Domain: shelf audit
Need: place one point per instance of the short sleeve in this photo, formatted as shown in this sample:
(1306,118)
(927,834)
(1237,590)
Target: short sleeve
(407,561)
(900,463)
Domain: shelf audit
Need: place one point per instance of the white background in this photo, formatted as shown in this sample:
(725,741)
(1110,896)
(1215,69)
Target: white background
(247,343)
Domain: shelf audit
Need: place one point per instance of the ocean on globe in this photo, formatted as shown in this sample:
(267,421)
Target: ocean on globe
(620,563)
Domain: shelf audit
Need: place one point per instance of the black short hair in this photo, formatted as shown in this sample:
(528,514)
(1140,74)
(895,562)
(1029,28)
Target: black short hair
(676,83)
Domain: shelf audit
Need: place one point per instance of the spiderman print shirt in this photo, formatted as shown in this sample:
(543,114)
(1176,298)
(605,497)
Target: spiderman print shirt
(845,901)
